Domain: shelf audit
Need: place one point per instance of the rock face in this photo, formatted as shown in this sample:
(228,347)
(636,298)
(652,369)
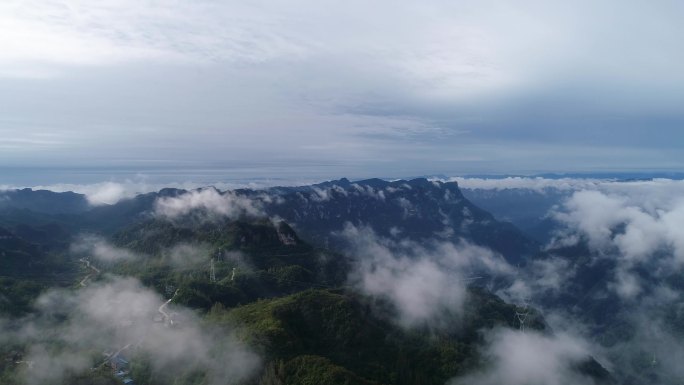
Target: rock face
(417,209)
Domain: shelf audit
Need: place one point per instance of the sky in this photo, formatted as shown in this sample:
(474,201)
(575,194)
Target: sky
(95,91)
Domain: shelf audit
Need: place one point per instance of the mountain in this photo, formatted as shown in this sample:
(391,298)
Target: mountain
(26,271)
(417,209)
(20,257)
(44,201)
(251,260)
(340,337)
(109,219)
(275,279)
(294,307)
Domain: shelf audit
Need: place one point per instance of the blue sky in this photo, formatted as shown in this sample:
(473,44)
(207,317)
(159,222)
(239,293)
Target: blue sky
(353,88)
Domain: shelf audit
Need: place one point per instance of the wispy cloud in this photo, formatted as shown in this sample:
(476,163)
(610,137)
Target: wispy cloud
(423,282)
(530,358)
(111,192)
(210,202)
(50,36)
(89,245)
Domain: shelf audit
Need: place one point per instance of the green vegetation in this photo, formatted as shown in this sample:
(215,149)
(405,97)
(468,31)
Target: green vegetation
(356,339)
(282,302)
(310,370)
(16,296)
(256,260)
(285,299)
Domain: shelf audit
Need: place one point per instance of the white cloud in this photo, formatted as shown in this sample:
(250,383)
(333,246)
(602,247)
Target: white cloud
(638,224)
(211,201)
(530,358)
(636,230)
(539,279)
(97,247)
(111,192)
(423,282)
(101,193)
(108,193)
(111,315)
(176,255)
(626,284)
(634,225)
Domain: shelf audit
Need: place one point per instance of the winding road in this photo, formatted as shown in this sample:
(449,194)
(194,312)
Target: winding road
(94,271)
(162,310)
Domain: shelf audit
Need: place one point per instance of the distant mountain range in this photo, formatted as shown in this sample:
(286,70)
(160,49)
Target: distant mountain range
(417,209)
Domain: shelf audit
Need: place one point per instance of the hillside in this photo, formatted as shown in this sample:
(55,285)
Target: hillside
(273,280)
(355,337)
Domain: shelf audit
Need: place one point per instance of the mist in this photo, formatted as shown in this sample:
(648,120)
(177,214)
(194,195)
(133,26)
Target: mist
(209,200)
(71,329)
(426,283)
(517,358)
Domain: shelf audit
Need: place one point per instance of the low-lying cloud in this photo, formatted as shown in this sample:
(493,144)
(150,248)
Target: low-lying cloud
(111,192)
(102,193)
(638,224)
(637,231)
(185,254)
(634,233)
(423,282)
(211,202)
(89,245)
(653,189)
(179,255)
(635,239)
(528,183)
(541,277)
(530,358)
(71,328)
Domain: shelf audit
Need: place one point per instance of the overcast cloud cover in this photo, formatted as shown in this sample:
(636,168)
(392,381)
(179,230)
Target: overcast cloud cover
(347,88)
